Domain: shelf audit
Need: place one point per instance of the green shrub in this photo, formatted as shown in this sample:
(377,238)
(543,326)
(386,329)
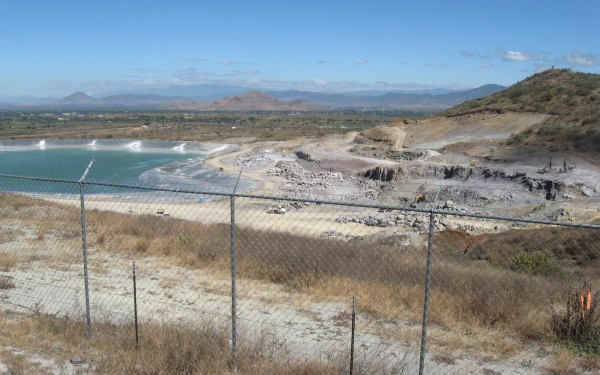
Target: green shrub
(185,240)
(536,262)
(577,329)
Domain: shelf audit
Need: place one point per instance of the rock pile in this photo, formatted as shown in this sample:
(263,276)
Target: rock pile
(252,161)
(293,171)
(388,153)
(419,222)
(310,184)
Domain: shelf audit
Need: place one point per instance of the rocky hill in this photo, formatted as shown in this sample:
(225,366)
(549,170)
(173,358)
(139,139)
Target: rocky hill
(571,99)
(78,99)
(250,101)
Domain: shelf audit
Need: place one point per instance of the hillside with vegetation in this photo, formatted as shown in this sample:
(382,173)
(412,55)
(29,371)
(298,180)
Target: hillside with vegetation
(571,99)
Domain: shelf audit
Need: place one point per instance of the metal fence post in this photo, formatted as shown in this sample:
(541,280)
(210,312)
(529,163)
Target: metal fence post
(233,280)
(352,336)
(427,283)
(135,310)
(84,246)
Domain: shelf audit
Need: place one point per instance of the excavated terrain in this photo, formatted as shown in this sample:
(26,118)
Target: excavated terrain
(466,157)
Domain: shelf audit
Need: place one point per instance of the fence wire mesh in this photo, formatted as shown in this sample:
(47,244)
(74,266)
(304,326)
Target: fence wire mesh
(504,293)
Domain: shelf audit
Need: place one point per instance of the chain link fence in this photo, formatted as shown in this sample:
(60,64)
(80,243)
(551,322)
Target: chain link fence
(437,289)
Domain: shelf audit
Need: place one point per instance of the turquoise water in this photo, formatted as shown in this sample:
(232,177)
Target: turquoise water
(117,167)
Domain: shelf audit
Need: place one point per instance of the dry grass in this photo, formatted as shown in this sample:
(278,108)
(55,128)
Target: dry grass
(476,291)
(188,243)
(566,362)
(162,349)
(8,261)
(17,364)
(6,282)
(8,233)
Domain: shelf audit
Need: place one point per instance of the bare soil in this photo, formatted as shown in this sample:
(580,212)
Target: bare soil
(467,156)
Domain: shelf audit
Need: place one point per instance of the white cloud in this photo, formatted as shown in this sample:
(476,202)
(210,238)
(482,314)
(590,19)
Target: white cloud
(516,56)
(429,65)
(191,60)
(229,62)
(582,59)
(147,70)
(469,54)
(487,66)
(193,75)
(362,62)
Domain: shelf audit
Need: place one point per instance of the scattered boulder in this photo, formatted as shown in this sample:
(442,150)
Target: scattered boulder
(419,222)
(303,155)
(278,209)
(587,192)
(77,360)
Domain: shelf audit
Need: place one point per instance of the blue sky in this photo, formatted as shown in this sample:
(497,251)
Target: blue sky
(53,48)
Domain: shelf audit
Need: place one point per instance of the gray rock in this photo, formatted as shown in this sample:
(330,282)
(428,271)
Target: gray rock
(568,196)
(77,360)
(587,192)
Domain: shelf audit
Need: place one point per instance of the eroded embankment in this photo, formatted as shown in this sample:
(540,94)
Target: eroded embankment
(550,188)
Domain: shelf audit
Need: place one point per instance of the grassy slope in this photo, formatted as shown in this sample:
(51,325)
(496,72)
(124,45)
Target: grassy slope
(573,100)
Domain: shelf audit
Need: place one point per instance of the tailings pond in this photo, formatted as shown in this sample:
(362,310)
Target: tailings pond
(167,165)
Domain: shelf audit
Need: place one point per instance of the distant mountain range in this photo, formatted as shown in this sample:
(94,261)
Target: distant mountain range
(80,99)
(235,98)
(390,100)
(250,101)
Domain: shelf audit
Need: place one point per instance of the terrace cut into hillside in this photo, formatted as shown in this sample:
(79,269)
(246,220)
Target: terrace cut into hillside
(571,99)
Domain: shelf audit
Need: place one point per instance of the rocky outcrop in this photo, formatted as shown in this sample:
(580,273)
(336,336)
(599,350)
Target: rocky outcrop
(303,155)
(382,174)
(549,188)
(420,171)
(457,171)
